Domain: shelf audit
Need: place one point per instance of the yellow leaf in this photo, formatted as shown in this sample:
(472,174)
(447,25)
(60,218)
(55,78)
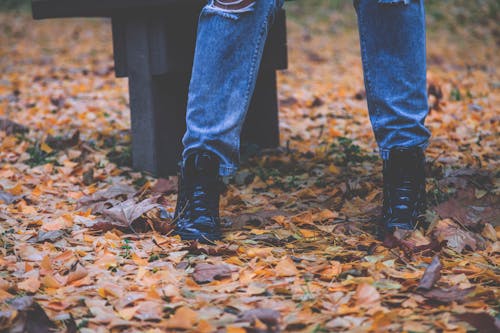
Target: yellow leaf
(334,169)
(308,233)
(107,290)
(259,231)
(50,281)
(235,329)
(46,148)
(16,190)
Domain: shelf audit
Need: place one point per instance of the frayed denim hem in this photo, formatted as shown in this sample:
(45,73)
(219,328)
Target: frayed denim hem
(406,2)
(385,153)
(227,170)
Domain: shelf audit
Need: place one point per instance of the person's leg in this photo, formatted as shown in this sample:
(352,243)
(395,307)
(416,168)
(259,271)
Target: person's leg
(392,35)
(229,47)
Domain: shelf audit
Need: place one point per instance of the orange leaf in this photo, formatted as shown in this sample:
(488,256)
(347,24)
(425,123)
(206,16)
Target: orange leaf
(183,318)
(31,284)
(204,327)
(79,273)
(286,267)
(235,329)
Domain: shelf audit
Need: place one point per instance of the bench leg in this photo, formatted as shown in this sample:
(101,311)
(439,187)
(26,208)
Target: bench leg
(171,91)
(157,105)
(143,106)
(261,126)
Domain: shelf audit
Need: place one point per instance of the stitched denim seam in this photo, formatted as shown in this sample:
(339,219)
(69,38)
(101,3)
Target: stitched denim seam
(385,152)
(366,69)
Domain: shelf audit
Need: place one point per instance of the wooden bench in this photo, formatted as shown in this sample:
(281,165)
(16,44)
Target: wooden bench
(153,44)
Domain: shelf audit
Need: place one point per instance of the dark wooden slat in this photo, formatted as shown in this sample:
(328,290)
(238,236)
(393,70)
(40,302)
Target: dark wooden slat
(43,9)
(118,26)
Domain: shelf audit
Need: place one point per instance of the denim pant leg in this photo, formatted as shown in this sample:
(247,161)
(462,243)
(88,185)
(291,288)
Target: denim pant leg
(392,35)
(228,53)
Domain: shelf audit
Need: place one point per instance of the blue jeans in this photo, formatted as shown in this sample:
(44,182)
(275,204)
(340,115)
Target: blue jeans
(228,54)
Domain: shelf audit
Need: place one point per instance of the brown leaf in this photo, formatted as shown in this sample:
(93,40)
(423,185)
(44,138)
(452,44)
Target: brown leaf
(257,219)
(204,273)
(51,236)
(456,238)
(97,201)
(410,241)
(469,211)
(453,294)
(125,213)
(165,186)
(58,142)
(11,127)
(483,322)
(431,274)
(7,198)
(25,315)
(271,318)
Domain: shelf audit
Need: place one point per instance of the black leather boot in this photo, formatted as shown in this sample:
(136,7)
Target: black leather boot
(197,210)
(404,188)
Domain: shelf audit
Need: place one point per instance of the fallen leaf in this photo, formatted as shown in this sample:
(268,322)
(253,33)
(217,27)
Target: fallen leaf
(31,284)
(51,236)
(271,318)
(97,201)
(7,198)
(25,315)
(258,219)
(79,272)
(286,267)
(482,321)
(457,239)
(183,318)
(470,211)
(125,213)
(204,273)
(453,294)
(63,142)
(367,295)
(431,275)
(165,186)
(11,127)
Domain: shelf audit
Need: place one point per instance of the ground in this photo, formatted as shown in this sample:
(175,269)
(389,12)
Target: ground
(85,242)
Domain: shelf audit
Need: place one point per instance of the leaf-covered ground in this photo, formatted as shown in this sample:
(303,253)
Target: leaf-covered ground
(84,239)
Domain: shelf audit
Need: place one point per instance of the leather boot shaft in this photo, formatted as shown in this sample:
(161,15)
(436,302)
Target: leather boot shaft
(404,188)
(197,210)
